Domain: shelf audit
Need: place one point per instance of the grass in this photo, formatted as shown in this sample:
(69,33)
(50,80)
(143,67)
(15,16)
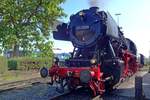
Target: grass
(145,68)
(11,76)
(3,65)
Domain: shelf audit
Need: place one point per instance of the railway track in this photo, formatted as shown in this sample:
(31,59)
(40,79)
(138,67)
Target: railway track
(57,97)
(30,82)
(78,94)
(85,96)
(37,87)
(20,84)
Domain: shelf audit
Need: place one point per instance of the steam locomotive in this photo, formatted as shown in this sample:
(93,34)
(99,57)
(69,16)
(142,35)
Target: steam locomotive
(102,56)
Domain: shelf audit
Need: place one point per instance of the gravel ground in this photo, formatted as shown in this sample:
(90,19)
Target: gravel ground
(45,92)
(36,92)
(86,96)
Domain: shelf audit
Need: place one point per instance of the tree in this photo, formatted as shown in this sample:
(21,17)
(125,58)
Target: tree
(45,48)
(25,23)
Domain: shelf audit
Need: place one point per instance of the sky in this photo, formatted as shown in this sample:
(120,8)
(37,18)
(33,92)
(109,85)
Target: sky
(134,20)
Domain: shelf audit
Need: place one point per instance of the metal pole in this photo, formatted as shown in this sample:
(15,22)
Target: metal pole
(138,88)
(149,60)
(118,14)
(149,55)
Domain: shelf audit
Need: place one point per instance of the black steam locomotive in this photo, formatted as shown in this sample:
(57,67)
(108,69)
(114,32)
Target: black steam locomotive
(101,55)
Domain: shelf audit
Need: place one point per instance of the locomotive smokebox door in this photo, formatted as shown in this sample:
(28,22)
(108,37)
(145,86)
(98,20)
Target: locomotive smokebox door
(85,28)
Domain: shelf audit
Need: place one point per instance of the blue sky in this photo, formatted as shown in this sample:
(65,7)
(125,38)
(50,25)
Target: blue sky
(134,19)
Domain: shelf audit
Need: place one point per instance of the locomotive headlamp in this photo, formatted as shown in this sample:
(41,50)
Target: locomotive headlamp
(93,61)
(81,13)
(85,76)
(56,60)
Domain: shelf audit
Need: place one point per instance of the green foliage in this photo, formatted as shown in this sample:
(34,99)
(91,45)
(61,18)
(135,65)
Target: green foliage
(25,23)
(28,63)
(45,49)
(12,64)
(3,65)
(147,61)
